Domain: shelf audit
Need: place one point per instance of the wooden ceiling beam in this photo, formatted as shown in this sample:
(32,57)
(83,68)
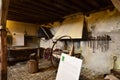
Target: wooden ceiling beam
(23,15)
(21,20)
(26,14)
(56,6)
(33,10)
(101,2)
(81,4)
(60,5)
(45,7)
(32,21)
(68,4)
(92,3)
(14,16)
(33,7)
(101,9)
(50,10)
(31,13)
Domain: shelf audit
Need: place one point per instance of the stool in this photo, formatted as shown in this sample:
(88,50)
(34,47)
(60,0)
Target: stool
(32,66)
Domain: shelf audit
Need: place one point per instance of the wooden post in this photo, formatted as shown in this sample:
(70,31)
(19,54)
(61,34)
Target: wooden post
(3,10)
(116,4)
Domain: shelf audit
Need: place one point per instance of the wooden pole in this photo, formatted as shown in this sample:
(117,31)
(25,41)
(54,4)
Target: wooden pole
(4,10)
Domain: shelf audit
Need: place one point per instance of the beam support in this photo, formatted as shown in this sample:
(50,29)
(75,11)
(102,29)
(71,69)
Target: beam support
(4,10)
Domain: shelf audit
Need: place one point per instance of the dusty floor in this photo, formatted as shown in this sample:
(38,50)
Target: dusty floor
(46,72)
(20,72)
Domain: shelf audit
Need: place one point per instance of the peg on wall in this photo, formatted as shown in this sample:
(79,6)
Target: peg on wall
(99,42)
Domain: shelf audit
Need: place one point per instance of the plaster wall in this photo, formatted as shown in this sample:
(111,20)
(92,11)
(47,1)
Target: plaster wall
(71,26)
(21,27)
(24,28)
(100,23)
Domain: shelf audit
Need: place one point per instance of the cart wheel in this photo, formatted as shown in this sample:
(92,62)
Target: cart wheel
(55,54)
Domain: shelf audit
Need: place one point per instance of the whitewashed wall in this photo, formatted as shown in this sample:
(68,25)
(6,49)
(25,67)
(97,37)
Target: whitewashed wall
(104,22)
(71,26)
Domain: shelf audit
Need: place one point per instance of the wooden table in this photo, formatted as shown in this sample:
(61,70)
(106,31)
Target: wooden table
(21,53)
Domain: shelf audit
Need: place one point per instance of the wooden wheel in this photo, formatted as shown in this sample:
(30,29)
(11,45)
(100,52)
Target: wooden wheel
(55,54)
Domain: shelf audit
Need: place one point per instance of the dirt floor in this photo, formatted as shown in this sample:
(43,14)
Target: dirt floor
(19,71)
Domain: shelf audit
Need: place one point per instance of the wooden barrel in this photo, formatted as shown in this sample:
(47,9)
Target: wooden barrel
(32,66)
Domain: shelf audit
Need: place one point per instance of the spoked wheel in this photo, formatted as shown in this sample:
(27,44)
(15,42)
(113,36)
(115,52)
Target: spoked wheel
(56,54)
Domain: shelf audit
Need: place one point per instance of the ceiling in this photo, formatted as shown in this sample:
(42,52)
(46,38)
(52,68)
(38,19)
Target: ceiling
(44,11)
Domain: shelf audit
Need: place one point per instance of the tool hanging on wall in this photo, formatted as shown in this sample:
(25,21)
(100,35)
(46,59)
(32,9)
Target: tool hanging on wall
(102,44)
(99,42)
(93,44)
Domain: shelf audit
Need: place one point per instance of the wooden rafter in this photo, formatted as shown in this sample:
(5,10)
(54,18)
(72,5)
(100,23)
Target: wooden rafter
(48,10)
(34,9)
(38,6)
(92,3)
(31,12)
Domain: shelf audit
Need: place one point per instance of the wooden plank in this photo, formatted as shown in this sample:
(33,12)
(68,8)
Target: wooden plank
(92,3)
(81,4)
(31,15)
(3,70)
(68,4)
(59,6)
(33,9)
(14,16)
(46,7)
(101,9)
(37,6)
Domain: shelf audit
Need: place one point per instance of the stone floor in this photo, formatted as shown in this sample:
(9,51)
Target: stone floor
(46,72)
(20,72)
